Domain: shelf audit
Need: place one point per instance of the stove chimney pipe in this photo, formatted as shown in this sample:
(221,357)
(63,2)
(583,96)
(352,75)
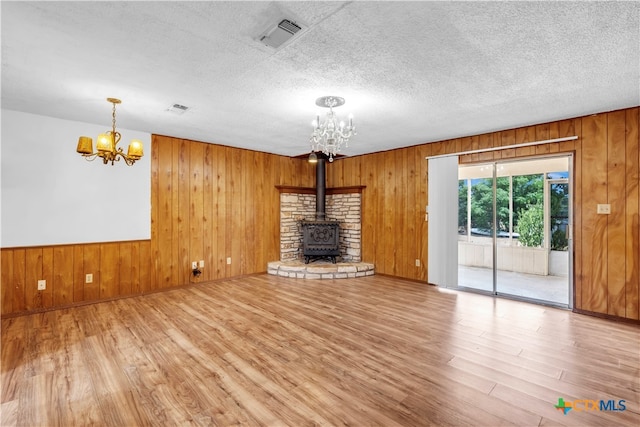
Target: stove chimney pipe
(321,187)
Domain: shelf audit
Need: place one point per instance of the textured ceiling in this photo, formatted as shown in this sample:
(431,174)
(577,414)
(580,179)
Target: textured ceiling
(411,72)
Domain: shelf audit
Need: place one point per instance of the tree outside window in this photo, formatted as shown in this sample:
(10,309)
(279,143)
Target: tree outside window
(526,197)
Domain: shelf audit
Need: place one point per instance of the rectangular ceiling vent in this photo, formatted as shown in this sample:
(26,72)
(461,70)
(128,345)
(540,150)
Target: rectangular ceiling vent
(283,32)
(177,109)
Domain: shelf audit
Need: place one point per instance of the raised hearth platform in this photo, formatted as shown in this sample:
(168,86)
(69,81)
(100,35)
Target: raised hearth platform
(320,269)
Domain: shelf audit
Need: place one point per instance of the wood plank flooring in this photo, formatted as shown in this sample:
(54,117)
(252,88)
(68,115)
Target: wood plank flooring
(271,351)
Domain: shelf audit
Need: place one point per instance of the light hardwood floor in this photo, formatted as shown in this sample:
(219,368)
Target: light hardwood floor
(266,350)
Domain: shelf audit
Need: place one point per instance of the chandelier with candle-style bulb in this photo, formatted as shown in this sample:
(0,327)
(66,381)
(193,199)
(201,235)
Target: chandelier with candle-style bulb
(331,135)
(106,145)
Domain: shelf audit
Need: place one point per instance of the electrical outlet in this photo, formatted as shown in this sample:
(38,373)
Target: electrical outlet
(42,285)
(88,278)
(194,265)
(228,260)
(604,209)
(417,263)
(201,263)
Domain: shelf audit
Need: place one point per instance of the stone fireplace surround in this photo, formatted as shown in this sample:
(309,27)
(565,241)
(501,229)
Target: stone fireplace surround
(342,205)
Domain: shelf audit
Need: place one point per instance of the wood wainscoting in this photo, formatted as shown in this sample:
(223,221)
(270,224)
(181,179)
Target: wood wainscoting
(272,351)
(118,268)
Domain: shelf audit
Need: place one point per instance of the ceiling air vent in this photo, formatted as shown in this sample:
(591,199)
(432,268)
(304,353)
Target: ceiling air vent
(276,37)
(177,109)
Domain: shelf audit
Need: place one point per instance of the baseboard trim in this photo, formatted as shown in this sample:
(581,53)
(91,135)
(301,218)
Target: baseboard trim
(607,316)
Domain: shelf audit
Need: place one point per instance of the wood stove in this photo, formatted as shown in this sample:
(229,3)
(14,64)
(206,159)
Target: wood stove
(320,237)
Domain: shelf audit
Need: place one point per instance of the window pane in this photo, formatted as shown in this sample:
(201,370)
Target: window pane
(559,216)
(528,211)
(502,205)
(462,206)
(482,207)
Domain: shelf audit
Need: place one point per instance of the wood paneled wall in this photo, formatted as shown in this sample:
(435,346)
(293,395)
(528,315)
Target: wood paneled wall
(118,269)
(606,166)
(211,202)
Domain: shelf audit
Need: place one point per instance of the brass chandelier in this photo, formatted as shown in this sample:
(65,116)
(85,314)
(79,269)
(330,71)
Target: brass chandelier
(330,135)
(106,144)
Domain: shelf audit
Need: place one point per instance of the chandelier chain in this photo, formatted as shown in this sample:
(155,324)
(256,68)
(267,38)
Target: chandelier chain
(113,115)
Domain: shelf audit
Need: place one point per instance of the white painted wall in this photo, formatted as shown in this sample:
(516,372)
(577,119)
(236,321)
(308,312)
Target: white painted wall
(52,195)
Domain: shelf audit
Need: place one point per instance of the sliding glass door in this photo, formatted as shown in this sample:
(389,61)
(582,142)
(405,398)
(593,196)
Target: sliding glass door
(514,229)
(475,227)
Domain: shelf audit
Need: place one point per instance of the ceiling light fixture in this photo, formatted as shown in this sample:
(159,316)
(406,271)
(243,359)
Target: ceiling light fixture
(330,135)
(106,145)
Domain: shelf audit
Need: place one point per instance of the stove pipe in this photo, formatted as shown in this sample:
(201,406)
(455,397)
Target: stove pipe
(321,189)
